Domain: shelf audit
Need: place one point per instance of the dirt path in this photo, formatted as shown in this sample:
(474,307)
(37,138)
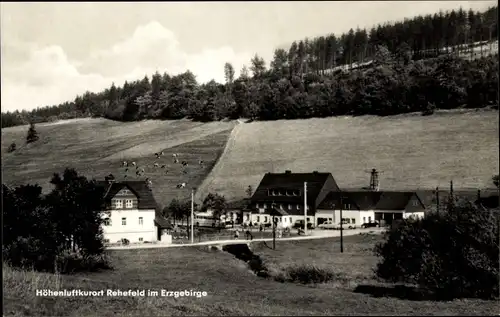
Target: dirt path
(201,191)
(323,234)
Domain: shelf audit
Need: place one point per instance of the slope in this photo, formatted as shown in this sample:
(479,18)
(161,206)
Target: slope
(411,151)
(97,147)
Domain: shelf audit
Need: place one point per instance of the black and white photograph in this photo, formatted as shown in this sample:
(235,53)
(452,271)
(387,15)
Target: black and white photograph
(250,158)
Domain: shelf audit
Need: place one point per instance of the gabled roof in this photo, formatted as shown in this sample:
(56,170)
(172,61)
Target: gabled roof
(394,200)
(144,196)
(368,200)
(315,182)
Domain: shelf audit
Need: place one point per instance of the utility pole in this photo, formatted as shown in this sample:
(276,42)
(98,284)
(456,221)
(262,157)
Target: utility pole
(341,227)
(305,208)
(192,215)
(274,226)
(437,199)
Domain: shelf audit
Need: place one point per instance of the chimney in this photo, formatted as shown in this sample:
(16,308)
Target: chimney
(288,172)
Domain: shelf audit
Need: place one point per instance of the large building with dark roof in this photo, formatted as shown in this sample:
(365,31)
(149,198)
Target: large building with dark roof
(131,213)
(286,192)
(360,207)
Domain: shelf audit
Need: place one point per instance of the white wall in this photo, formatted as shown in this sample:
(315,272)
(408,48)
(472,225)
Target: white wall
(132,230)
(350,214)
(418,215)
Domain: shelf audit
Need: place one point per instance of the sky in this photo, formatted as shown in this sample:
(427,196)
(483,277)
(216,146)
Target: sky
(51,52)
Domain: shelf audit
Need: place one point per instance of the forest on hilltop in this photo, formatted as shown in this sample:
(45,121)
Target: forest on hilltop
(420,64)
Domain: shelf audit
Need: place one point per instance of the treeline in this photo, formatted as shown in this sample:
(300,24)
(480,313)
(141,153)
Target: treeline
(60,231)
(403,71)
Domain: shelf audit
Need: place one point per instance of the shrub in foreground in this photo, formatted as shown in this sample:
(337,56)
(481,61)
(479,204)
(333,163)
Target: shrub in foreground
(309,274)
(454,254)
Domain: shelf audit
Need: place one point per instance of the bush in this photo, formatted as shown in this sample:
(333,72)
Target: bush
(125,241)
(12,147)
(453,255)
(308,274)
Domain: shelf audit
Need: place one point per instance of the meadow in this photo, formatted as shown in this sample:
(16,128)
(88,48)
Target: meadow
(97,147)
(231,287)
(411,151)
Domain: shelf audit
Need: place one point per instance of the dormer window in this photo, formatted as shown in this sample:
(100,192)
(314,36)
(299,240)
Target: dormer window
(118,204)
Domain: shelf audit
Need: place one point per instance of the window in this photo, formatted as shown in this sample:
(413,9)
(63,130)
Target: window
(128,203)
(265,206)
(369,219)
(258,218)
(364,219)
(308,219)
(289,207)
(415,203)
(141,221)
(347,206)
(257,205)
(107,222)
(353,221)
(330,219)
(290,219)
(284,220)
(298,207)
(265,218)
(141,239)
(125,192)
(281,206)
(118,204)
(124,221)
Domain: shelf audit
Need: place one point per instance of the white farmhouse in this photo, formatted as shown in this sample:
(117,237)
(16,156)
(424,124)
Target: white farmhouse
(360,207)
(131,215)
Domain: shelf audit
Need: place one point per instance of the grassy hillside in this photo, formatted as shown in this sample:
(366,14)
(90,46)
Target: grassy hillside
(411,150)
(96,147)
(232,288)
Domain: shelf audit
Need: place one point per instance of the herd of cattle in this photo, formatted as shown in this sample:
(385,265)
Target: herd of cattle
(139,171)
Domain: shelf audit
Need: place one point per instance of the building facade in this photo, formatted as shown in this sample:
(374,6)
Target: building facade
(286,192)
(360,207)
(130,213)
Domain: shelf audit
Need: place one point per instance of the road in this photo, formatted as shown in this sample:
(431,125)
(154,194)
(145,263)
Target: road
(316,234)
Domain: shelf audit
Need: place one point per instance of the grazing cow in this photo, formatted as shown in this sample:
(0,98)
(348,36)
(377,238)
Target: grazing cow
(126,170)
(156,165)
(166,172)
(174,155)
(184,163)
(181,185)
(184,172)
(163,166)
(142,170)
(124,164)
(125,176)
(133,164)
(161,153)
(201,162)
(176,160)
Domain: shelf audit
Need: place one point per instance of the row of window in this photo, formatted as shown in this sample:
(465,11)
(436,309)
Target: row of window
(283,192)
(107,240)
(346,206)
(268,219)
(280,206)
(107,221)
(129,203)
